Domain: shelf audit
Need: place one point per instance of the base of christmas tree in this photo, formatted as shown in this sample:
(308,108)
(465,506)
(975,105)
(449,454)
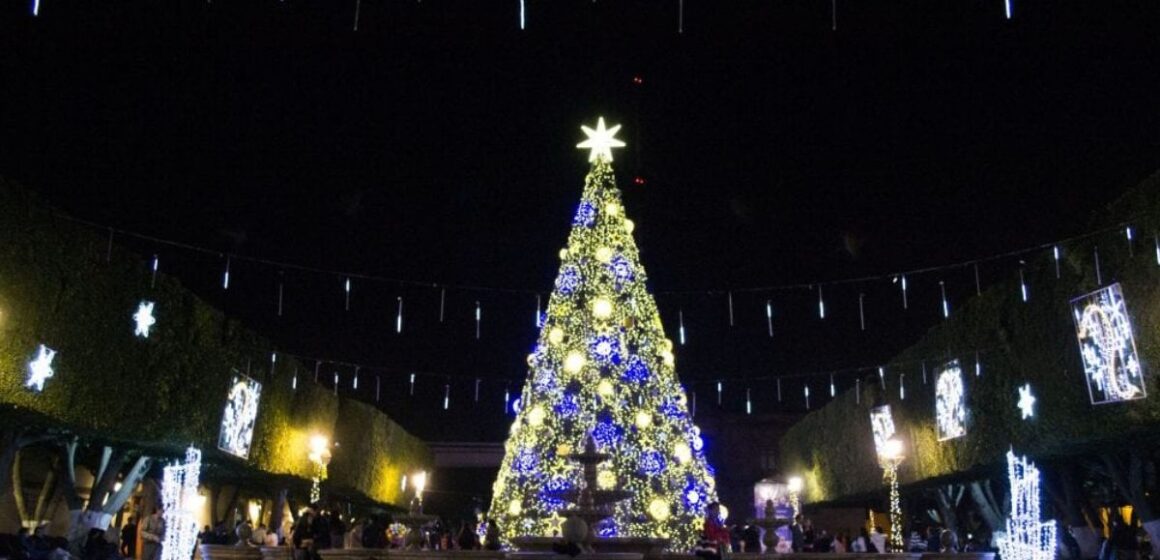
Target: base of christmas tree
(609,548)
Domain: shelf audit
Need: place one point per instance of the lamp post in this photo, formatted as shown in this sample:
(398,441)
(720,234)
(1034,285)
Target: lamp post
(320,456)
(890,457)
(795,485)
(420,482)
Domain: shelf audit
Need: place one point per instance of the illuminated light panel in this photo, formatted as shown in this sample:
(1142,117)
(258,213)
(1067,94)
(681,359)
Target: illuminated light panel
(1028,537)
(1026,402)
(241,412)
(882,427)
(600,141)
(950,402)
(40,368)
(144,319)
(1107,347)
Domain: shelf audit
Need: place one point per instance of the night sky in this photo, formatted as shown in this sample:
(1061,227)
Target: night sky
(437,144)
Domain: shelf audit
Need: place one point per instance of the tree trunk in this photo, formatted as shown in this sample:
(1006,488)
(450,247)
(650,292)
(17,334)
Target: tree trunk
(948,498)
(1067,494)
(276,512)
(10,437)
(990,509)
(1128,477)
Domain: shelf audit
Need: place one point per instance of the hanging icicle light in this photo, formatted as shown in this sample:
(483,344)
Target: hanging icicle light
(862,310)
(833,389)
(477,380)
(336,383)
(378,387)
(748,402)
(1007,8)
(446,396)
(1099,276)
(1022,282)
(523,15)
(442,302)
(778,389)
(280,291)
(1156,244)
(507,398)
(769,304)
(294,381)
(478,314)
(1055,254)
(978,284)
(806,391)
(719,393)
(821,304)
(902,386)
(156,266)
(924,372)
(1128,234)
(354,385)
(946,308)
(858,391)
(905,301)
(412,384)
(978,366)
(226,275)
(681,327)
(730,309)
(693,403)
(399,316)
(882,376)
(346,293)
(539,314)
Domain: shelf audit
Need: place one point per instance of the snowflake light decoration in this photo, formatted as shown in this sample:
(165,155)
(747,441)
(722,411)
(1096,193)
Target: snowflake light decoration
(237,428)
(40,369)
(1026,401)
(179,502)
(1027,537)
(1108,349)
(882,426)
(950,402)
(144,319)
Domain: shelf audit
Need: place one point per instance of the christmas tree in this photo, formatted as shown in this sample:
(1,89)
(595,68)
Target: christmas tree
(603,368)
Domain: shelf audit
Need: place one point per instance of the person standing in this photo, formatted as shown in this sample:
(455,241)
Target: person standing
(878,539)
(129,538)
(861,542)
(151,531)
(797,537)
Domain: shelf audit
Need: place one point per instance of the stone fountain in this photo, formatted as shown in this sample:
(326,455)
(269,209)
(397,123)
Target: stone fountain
(592,505)
(414,520)
(769,524)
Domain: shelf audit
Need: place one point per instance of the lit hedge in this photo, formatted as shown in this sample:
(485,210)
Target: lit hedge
(1021,342)
(168,391)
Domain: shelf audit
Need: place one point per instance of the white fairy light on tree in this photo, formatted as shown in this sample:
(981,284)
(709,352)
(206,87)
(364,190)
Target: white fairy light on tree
(144,319)
(1028,537)
(40,369)
(179,502)
(539,314)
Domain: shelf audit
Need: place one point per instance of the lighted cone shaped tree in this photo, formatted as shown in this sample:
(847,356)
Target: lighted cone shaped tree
(602,367)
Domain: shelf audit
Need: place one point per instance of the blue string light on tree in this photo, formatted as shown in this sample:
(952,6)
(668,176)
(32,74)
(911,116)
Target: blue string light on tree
(652,463)
(636,371)
(585,215)
(568,280)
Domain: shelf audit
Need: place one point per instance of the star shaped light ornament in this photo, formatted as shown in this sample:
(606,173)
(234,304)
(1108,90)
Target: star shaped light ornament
(1026,401)
(144,318)
(601,141)
(40,369)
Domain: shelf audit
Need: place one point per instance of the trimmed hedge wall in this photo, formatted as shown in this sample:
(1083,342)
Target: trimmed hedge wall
(1031,342)
(168,391)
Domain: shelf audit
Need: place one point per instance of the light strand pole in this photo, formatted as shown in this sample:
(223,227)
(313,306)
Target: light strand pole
(320,456)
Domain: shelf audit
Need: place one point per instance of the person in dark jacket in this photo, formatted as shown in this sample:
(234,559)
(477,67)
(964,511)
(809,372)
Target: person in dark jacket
(129,538)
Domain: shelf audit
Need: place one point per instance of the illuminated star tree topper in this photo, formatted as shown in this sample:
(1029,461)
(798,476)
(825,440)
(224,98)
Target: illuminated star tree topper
(144,319)
(601,141)
(602,368)
(40,369)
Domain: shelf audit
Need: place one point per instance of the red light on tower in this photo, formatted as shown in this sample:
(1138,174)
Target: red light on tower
(638,180)
(637,80)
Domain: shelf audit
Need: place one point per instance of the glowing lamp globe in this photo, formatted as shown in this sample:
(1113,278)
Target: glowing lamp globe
(419,481)
(892,450)
(795,484)
(601,308)
(514,508)
(603,254)
(682,452)
(658,509)
(556,335)
(574,362)
(563,254)
(643,420)
(536,415)
(667,358)
(319,450)
(605,388)
(724,513)
(611,209)
(629,226)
